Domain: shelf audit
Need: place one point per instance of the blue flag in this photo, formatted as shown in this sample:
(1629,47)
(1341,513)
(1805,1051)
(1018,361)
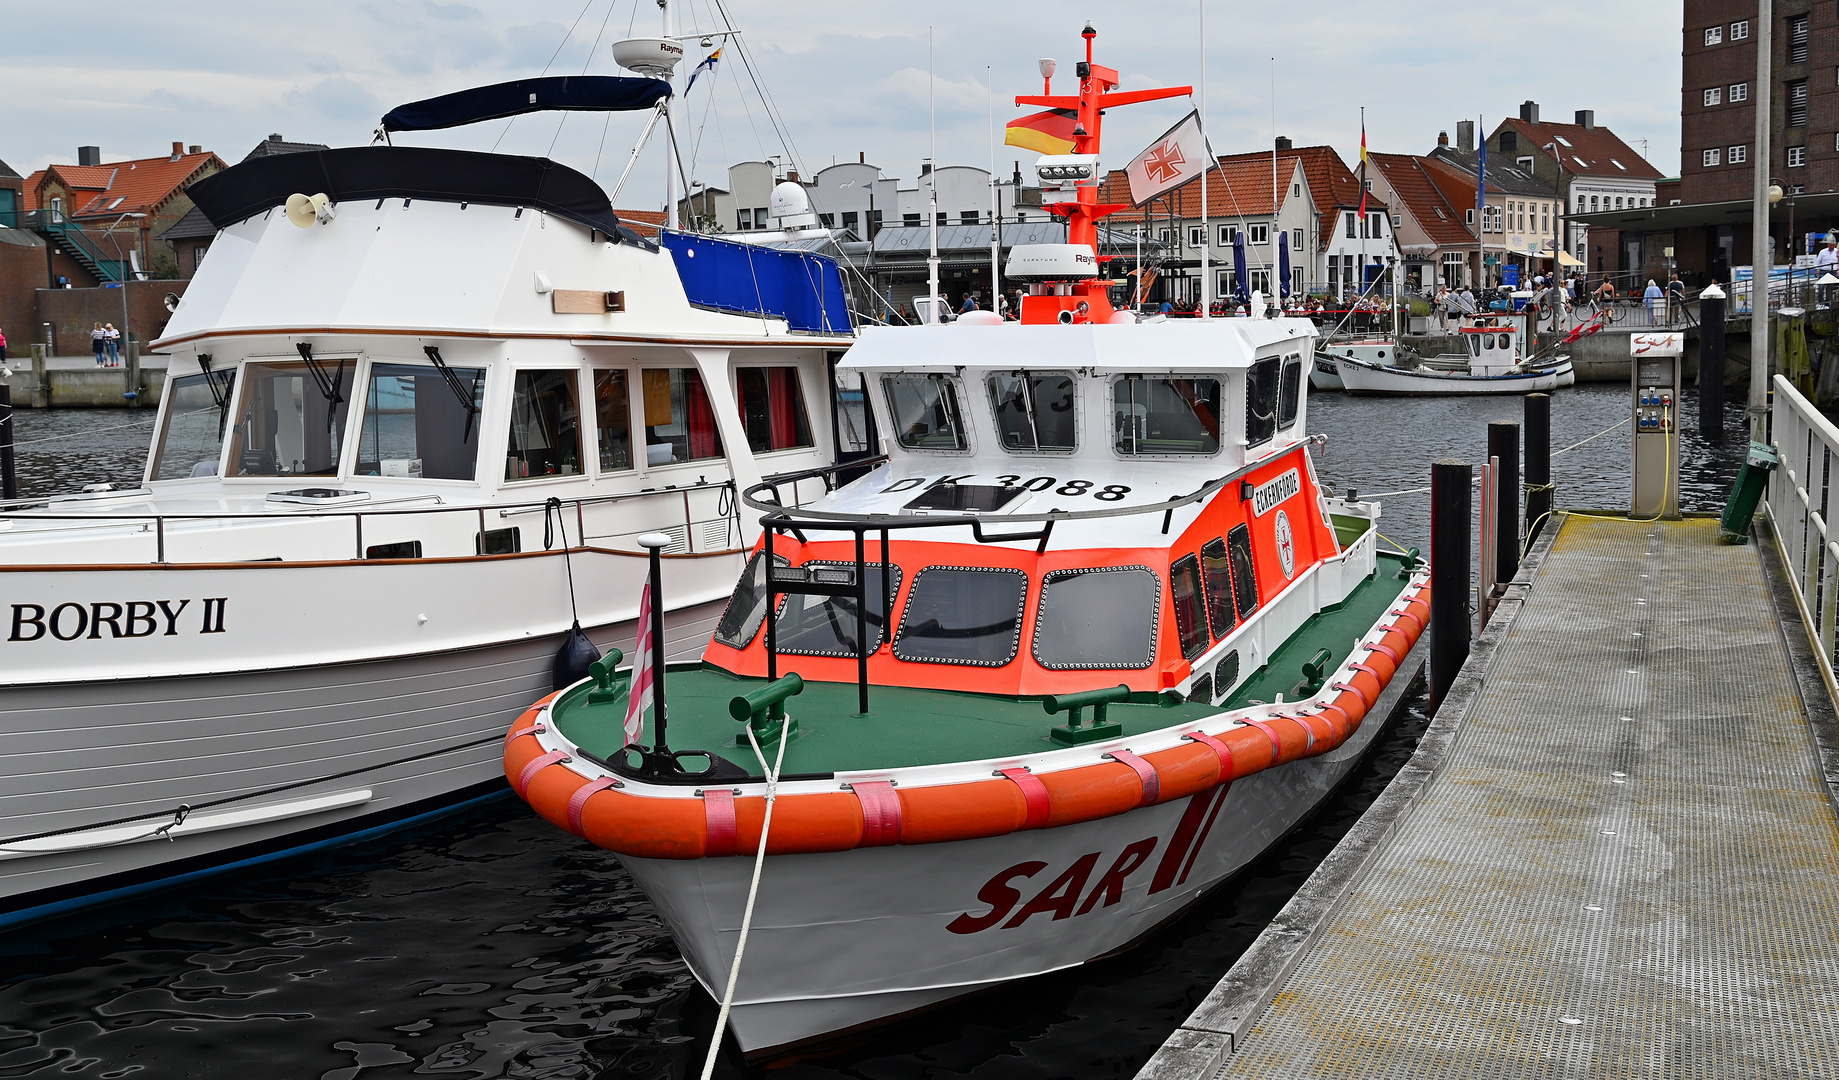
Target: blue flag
(708,64)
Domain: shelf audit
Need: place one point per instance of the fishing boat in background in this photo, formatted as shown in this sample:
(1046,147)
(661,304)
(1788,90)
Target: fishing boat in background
(1088,639)
(420,401)
(1494,361)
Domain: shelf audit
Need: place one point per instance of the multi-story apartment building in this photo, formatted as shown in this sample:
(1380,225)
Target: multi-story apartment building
(1596,170)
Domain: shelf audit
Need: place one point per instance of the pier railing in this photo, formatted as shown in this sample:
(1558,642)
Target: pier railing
(1800,503)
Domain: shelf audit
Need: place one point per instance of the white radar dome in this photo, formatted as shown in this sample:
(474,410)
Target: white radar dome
(657,57)
(792,206)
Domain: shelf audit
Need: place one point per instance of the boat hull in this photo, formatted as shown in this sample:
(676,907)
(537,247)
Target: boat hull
(1367,379)
(846,939)
(289,755)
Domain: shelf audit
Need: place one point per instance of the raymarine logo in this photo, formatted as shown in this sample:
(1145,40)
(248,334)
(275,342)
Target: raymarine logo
(1269,494)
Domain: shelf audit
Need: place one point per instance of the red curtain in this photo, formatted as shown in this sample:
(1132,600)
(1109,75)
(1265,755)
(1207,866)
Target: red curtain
(705,442)
(782,406)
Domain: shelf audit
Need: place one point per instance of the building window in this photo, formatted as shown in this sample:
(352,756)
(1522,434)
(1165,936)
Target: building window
(1162,235)
(1709,159)
(1797,103)
(744,218)
(1797,40)
(1225,288)
(944,217)
(1258,234)
(1296,189)
(759,217)
(1740,30)
(1739,154)
(1468,216)
(1835,147)
(828,221)
(849,220)
(1350,226)
(1196,236)
(1714,35)
(967,217)
(1261,281)
(911,221)
(1714,96)
(1227,232)
(1797,189)
(1797,156)
(1739,92)
(198,255)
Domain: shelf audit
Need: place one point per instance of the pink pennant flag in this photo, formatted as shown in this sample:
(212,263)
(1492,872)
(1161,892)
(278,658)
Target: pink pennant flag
(638,698)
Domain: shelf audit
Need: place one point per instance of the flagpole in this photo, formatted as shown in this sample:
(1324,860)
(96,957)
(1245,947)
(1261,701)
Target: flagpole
(1206,238)
(996,201)
(1481,205)
(1282,286)
(652,542)
(932,185)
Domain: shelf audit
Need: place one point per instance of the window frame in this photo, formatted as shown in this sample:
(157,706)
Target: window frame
(490,375)
(1714,35)
(234,442)
(1797,157)
(1258,233)
(1227,232)
(593,375)
(1040,610)
(873,565)
(966,444)
(641,429)
(1276,365)
(1292,364)
(1738,92)
(1711,158)
(1112,379)
(1204,640)
(1737,155)
(581,421)
(800,400)
(1015,642)
(1241,535)
(1027,374)
(746,571)
(1714,95)
(1740,30)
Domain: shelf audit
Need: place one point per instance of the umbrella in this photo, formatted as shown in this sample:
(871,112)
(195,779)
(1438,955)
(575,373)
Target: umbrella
(1283,264)
(1239,278)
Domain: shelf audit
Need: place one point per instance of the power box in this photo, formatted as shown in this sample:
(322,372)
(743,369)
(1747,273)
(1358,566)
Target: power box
(1655,361)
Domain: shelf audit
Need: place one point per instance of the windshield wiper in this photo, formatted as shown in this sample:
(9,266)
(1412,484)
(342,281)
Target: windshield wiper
(219,390)
(328,383)
(460,392)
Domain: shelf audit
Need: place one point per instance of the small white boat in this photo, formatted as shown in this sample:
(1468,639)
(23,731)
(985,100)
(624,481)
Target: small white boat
(1323,375)
(1493,362)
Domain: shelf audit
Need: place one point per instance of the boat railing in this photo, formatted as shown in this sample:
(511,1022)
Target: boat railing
(558,514)
(1800,507)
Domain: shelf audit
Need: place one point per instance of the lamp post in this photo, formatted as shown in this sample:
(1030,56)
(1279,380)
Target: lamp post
(121,264)
(1775,197)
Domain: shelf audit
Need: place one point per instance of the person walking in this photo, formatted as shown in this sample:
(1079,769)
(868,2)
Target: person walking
(1826,262)
(1655,300)
(2,345)
(98,343)
(1676,299)
(113,341)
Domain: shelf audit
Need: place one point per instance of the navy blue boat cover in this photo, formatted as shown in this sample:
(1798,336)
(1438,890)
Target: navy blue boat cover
(804,289)
(569,93)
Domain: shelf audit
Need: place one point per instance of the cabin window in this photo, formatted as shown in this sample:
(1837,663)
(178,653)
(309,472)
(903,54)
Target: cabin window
(963,615)
(746,605)
(613,420)
(1154,415)
(810,625)
(1190,611)
(192,437)
(416,425)
(926,413)
(291,419)
(1261,401)
(772,408)
(1098,618)
(545,426)
(1289,400)
(850,408)
(679,421)
(1216,574)
(1244,574)
(1033,411)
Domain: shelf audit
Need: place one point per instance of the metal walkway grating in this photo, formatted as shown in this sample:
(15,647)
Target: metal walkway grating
(1628,867)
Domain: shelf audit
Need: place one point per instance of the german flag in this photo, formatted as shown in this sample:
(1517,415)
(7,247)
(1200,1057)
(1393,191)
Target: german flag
(1049,132)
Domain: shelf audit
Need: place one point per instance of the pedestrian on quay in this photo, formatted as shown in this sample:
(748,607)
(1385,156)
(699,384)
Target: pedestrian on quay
(1826,262)
(98,343)
(2,345)
(113,341)
(1676,298)
(1655,299)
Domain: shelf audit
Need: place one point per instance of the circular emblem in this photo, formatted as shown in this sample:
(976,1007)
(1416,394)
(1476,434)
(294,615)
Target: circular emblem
(1286,544)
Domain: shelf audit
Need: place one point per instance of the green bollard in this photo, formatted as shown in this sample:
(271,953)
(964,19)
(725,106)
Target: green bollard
(1734,527)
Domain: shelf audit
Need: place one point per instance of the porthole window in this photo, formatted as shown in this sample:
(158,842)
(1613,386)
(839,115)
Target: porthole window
(1190,606)
(963,615)
(1103,618)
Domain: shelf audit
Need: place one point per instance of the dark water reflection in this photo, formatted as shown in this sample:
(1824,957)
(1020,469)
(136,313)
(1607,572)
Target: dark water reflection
(489,944)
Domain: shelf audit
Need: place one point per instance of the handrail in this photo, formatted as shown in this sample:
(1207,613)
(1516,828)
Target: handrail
(1800,507)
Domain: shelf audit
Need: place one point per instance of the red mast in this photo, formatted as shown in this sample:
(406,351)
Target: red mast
(1097,92)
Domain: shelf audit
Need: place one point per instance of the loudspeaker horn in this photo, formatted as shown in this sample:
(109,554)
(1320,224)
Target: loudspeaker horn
(309,210)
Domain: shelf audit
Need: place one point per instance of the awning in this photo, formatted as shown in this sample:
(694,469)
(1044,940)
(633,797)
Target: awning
(563,93)
(1565,258)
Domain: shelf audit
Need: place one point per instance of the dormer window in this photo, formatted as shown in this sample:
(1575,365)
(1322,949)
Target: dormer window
(926,412)
(1156,415)
(1034,411)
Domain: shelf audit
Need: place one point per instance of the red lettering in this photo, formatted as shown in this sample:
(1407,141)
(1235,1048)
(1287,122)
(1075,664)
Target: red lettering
(996,893)
(1060,896)
(1111,886)
(1191,820)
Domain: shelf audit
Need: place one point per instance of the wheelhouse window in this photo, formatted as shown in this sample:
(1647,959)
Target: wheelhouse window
(746,609)
(192,438)
(545,426)
(1190,606)
(291,418)
(613,420)
(1261,401)
(926,412)
(811,625)
(963,615)
(1033,411)
(1165,415)
(416,422)
(679,420)
(772,408)
(1290,397)
(1216,574)
(1244,574)
(1104,618)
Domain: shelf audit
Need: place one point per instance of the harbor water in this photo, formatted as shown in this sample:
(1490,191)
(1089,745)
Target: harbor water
(487,943)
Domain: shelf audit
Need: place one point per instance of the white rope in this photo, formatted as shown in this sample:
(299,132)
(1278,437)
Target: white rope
(753,887)
(1566,450)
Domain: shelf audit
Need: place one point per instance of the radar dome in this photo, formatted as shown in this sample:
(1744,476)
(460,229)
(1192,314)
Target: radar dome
(792,206)
(657,57)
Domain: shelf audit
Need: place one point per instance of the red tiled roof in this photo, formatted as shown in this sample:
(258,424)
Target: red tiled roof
(28,199)
(1430,206)
(643,222)
(1241,188)
(143,185)
(1594,151)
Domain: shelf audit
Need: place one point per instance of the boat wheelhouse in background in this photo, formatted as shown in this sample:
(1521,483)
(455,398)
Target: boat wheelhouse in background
(419,403)
(1087,641)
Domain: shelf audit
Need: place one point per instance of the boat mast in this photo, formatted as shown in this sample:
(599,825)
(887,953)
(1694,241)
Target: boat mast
(1206,290)
(932,188)
(670,131)
(996,201)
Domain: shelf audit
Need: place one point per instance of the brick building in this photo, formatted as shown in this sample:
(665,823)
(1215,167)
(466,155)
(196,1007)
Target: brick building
(98,195)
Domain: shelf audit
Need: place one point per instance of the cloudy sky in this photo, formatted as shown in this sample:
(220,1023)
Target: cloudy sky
(845,76)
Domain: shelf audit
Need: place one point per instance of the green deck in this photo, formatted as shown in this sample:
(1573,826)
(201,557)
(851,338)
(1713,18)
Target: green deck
(909,727)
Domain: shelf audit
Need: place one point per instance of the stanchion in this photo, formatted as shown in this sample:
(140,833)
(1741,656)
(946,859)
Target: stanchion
(1711,364)
(1538,463)
(1451,510)
(1504,444)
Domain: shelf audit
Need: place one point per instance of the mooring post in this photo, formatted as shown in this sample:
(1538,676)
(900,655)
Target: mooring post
(9,482)
(1711,364)
(1538,463)
(41,387)
(1504,443)
(1451,510)
(133,373)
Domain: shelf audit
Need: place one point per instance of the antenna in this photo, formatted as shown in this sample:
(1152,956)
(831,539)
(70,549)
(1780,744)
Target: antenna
(1206,228)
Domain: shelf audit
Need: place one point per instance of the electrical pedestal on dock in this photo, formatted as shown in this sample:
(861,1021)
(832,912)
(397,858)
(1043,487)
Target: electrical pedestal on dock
(1654,376)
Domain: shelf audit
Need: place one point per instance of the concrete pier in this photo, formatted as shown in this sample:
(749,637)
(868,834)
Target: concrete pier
(66,382)
(1614,854)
